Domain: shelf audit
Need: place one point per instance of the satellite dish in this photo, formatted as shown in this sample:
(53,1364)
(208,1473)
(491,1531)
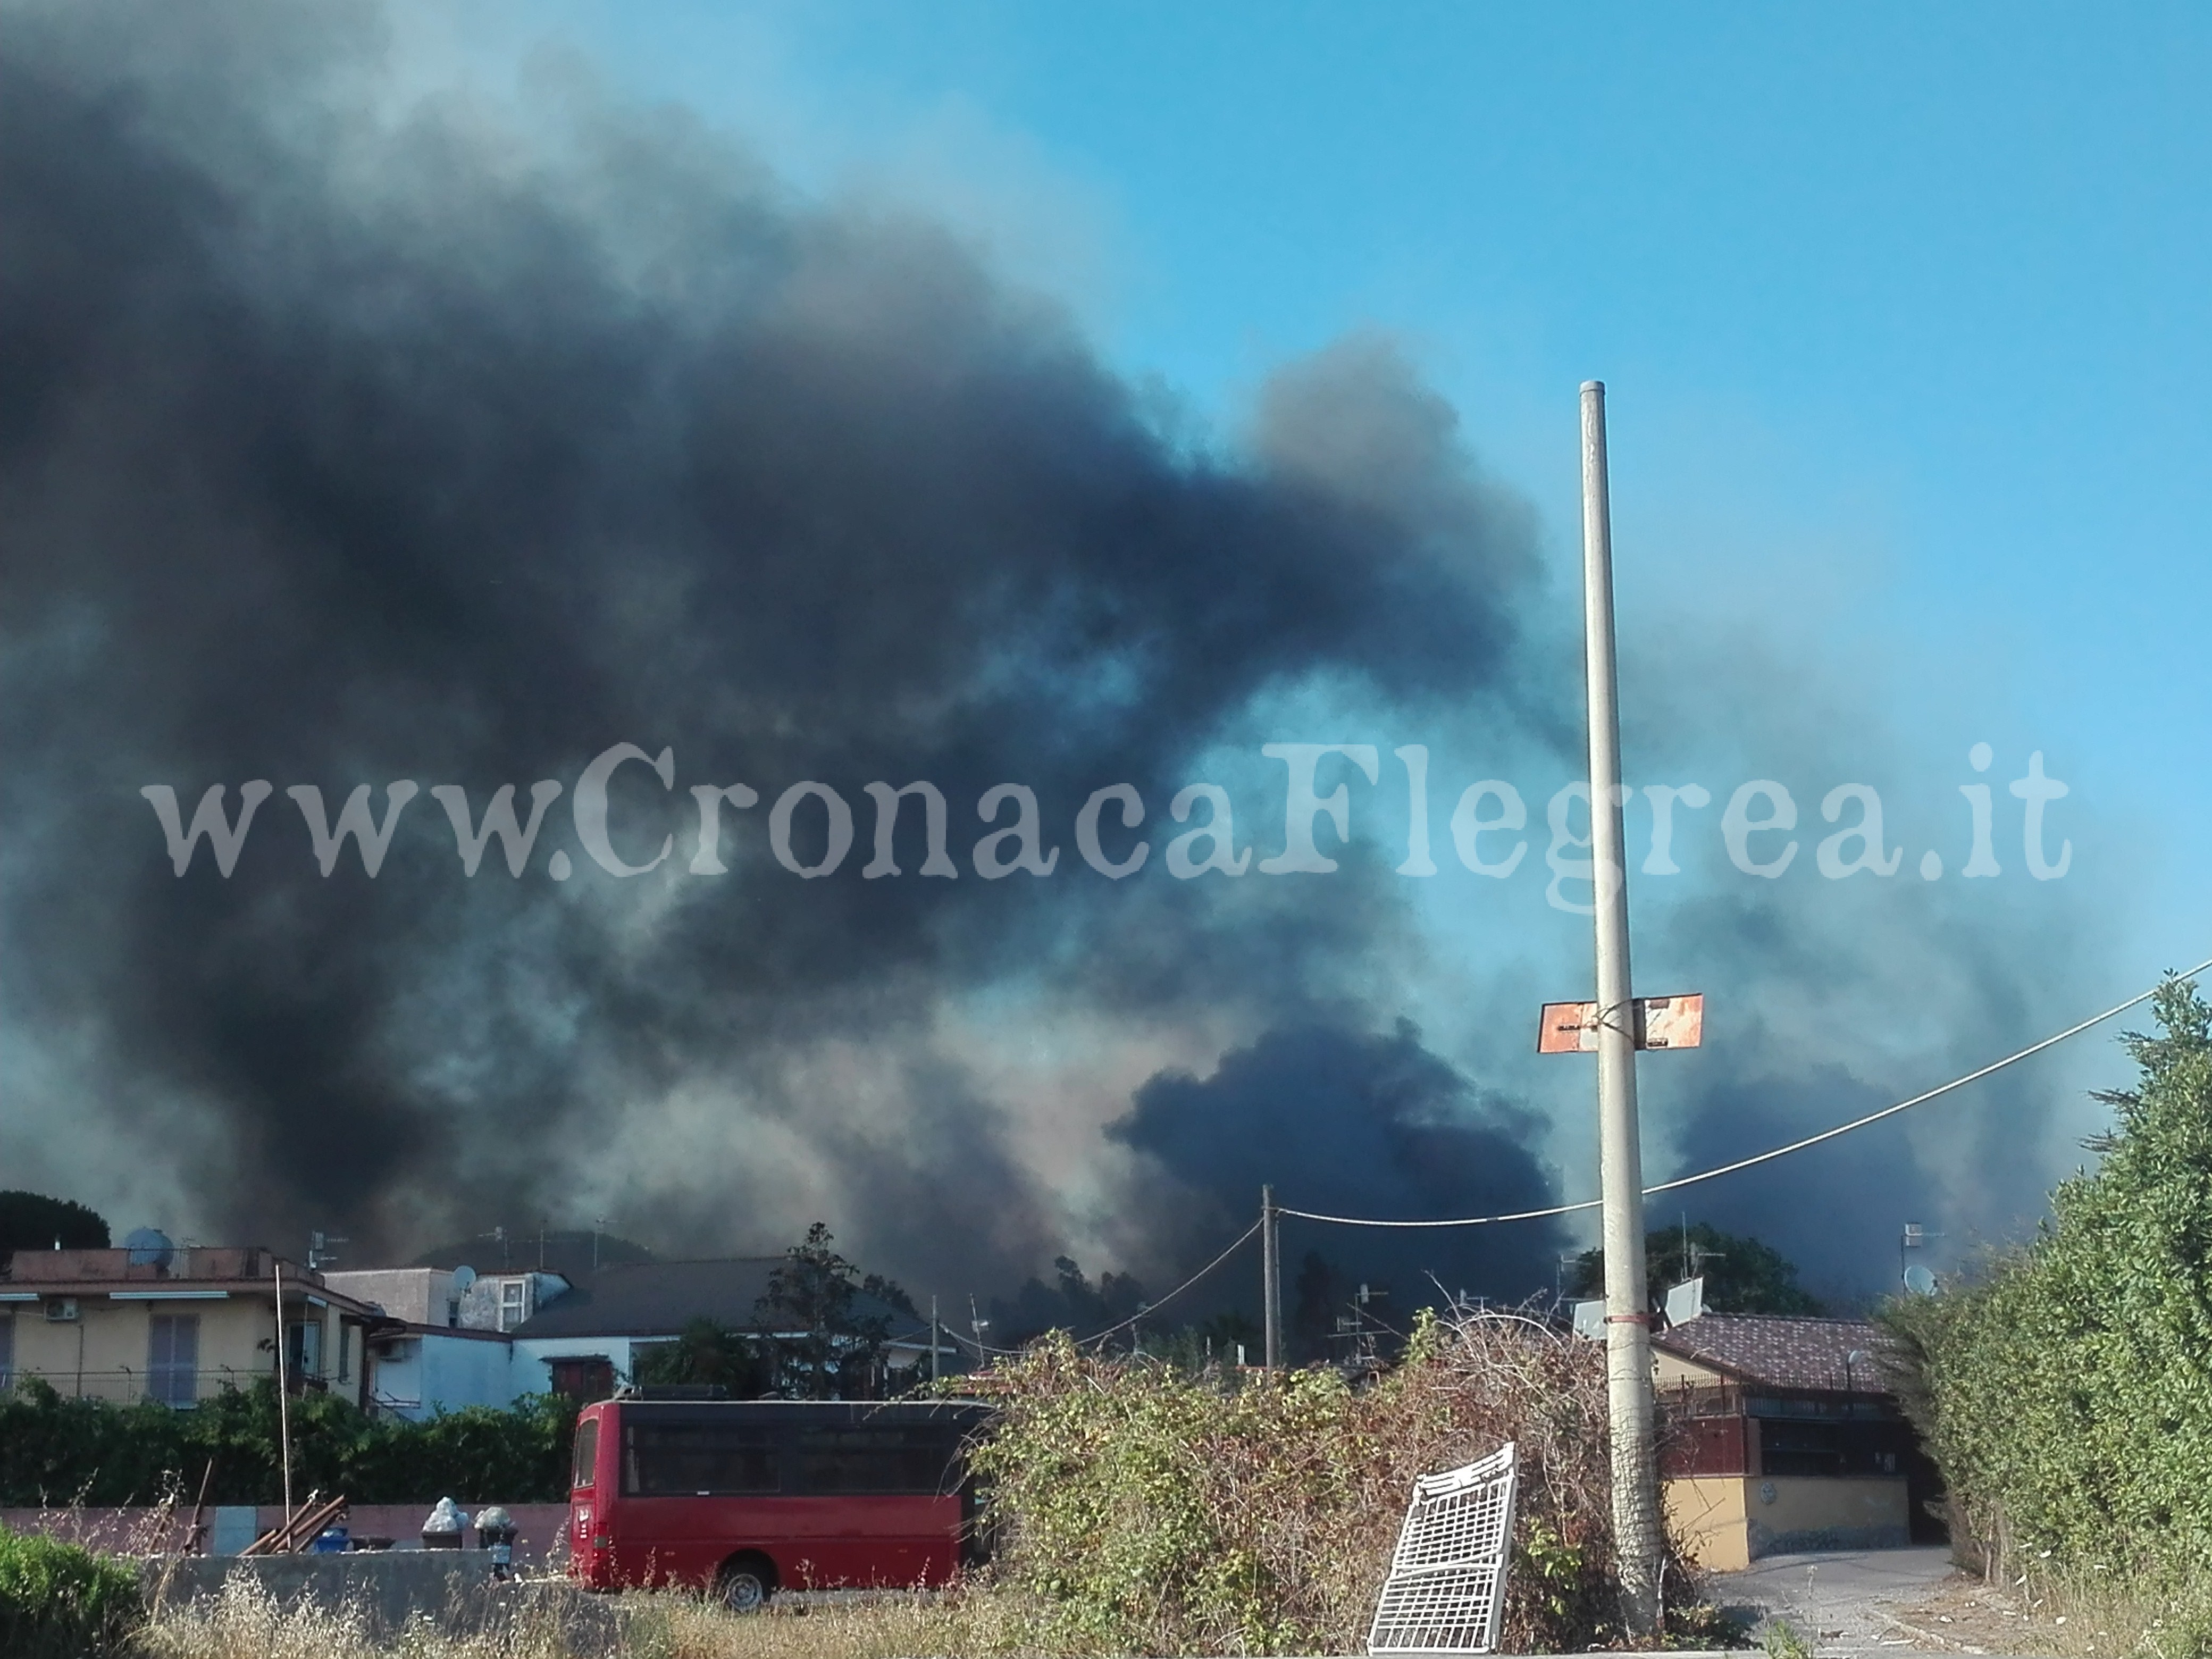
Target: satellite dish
(1919,1280)
(150,1247)
(1686,1300)
(463,1277)
(1590,1320)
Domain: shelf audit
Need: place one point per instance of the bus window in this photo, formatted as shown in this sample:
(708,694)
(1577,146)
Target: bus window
(684,1460)
(879,1460)
(587,1451)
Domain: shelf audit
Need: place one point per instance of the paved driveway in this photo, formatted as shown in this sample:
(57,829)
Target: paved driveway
(1847,1602)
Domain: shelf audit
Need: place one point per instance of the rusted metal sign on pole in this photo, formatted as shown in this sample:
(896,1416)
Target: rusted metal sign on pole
(1676,1022)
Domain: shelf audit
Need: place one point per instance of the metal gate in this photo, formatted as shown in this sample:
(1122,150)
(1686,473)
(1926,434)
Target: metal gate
(1446,1591)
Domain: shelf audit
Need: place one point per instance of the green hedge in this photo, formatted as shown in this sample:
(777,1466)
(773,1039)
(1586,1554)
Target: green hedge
(61,1601)
(2067,1393)
(54,1451)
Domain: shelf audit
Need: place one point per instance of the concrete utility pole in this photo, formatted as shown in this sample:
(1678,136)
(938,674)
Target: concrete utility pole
(1637,1538)
(1271,1277)
(283,1393)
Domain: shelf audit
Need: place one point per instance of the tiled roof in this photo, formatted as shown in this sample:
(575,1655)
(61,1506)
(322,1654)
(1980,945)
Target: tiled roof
(1834,1354)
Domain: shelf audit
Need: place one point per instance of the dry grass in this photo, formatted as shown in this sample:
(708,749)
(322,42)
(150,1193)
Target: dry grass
(963,1624)
(245,1622)
(2091,1615)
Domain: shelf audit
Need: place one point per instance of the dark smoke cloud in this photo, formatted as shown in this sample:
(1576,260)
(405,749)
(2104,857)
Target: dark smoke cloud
(348,436)
(339,447)
(1346,1123)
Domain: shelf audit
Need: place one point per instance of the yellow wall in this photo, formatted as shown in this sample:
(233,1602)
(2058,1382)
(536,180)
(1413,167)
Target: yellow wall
(109,1344)
(1727,1521)
(1706,1514)
(1667,1369)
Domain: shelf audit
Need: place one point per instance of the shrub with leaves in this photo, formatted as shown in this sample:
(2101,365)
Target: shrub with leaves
(1150,1510)
(54,1451)
(61,1601)
(2068,1394)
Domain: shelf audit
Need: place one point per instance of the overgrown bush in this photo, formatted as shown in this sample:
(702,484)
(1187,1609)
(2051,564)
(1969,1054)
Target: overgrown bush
(2067,1394)
(54,1451)
(61,1601)
(1148,1511)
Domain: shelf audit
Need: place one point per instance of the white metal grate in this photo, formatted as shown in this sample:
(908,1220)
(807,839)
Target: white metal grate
(1446,1591)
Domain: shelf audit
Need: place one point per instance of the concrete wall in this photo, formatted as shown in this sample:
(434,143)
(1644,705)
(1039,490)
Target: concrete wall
(421,1295)
(1707,1514)
(445,1371)
(456,1591)
(1726,1522)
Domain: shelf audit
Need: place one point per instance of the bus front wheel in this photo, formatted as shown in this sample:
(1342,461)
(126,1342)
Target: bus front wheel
(745,1584)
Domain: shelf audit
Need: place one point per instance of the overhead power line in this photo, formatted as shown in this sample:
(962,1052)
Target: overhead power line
(1768,1156)
(1145,1312)
(1242,1239)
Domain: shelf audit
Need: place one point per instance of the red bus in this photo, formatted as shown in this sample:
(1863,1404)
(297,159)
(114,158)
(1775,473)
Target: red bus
(745,1497)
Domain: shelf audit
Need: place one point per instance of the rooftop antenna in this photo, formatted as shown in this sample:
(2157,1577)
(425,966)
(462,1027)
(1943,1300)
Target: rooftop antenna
(322,1249)
(1566,1259)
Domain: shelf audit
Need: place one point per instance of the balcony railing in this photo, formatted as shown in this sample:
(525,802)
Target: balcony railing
(128,1387)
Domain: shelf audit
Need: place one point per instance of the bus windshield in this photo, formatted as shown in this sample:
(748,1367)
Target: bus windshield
(587,1452)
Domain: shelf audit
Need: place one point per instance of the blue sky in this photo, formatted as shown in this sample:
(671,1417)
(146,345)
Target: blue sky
(1902,312)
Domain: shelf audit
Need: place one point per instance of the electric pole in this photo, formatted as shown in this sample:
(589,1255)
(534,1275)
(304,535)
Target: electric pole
(1271,1278)
(1636,1541)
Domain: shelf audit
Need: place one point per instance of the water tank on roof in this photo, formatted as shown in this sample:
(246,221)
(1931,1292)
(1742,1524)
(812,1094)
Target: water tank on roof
(150,1247)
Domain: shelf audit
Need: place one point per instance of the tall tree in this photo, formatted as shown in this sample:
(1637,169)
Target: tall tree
(1071,1304)
(1742,1274)
(711,1353)
(826,1347)
(31,1221)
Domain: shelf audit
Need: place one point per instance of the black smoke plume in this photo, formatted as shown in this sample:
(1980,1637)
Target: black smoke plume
(348,436)
(339,447)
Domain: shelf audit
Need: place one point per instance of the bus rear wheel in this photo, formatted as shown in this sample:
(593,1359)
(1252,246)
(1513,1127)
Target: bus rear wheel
(745,1583)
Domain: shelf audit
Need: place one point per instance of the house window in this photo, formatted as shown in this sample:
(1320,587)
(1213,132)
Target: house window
(511,1308)
(7,1352)
(303,1344)
(585,1377)
(173,1358)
